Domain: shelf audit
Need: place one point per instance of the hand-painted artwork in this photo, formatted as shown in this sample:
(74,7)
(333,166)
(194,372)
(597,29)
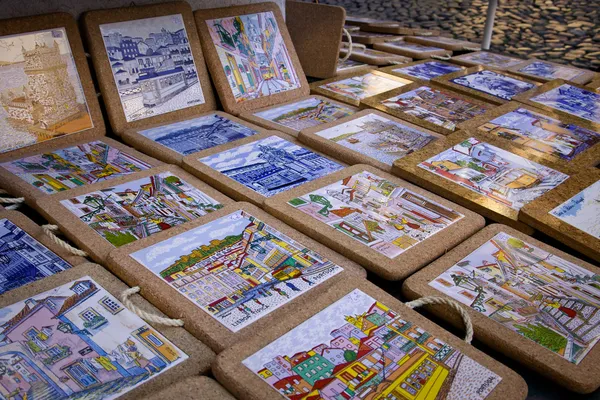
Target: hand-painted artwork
(428,70)
(152,65)
(77,341)
(75,166)
(367,85)
(582,210)
(376,212)
(550,71)
(134,210)
(40,90)
(493,172)
(493,83)
(536,294)
(236,268)
(573,100)
(306,113)
(271,165)
(23,259)
(378,137)
(253,55)
(491,60)
(348,64)
(358,348)
(541,133)
(436,106)
(197,134)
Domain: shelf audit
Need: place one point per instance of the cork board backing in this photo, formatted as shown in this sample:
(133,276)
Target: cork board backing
(157,150)
(61,20)
(192,387)
(537,214)
(444,43)
(360,68)
(265,123)
(244,384)
(19,187)
(393,269)
(375,57)
(414,54)
(311,138)
(584,77)
(356,20)
(197,321)
(372,38)
(229,186)
(92,21)
(399,30)
(391,69)
(85,237)
(407,168)
(580,378)
(375,102)
(463,59)
(446,81)
(200,356)
(594,84)
(317,47)
(222,87)
(590,157)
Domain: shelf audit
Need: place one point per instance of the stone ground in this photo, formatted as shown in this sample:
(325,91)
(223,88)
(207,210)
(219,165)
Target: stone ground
(562,31)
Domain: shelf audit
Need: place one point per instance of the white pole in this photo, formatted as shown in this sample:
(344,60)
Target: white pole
(489,24)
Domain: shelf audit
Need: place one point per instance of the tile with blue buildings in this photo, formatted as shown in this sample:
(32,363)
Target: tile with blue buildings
(428,70)
(573,100)
(493,83)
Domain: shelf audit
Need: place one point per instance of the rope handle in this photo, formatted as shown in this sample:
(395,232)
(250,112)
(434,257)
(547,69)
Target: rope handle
(396,62)
(147,316)
(49,231)
(14,202)
(471,48)
(349,51)
(451,303)
(443,58)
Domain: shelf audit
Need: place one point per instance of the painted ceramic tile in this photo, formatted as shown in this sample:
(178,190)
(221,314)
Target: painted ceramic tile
(376,212)
(378,137)
(582,210)
(493,172)
(306,113)
(358,348)
(347,64)
(550,71)
(436,106)
(493,83)
(271,165)
(253,55)
(428,70)
(573,100)
(491,60)
(541,133)
(413,46)
(359,87)
(23,259)
(236,268)
(542,297)
(197,134)
(152,65)
(40,91)
(77,341)
(75,166)
(134,210)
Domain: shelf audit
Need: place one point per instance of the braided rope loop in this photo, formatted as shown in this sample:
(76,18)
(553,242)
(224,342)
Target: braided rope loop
(349,51)
(11,200)
(451,303)
(147,316)
(49,231)
(471,48)
(443,58)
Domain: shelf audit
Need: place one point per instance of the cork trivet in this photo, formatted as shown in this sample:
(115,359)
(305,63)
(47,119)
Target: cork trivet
(227,185)
(199,322)
(586,154)
(91,241)
(245,384)
(413,50)
(343,110)
(349,67)
(486,93)
(409,70)
(363,21)
(317,47)
(375,57)
(221,81)
(537,214)
(582,377)
(200,356)
(135,138)
(18,186)
(371,38)
(102,65)
(399,30)
(488,59)
(193,387)
(376,83)
(470,109)
(572,74)
(528,98)
(594,84)
(443,42)
(399,266)
(312,137)
(48,22)
(408,168)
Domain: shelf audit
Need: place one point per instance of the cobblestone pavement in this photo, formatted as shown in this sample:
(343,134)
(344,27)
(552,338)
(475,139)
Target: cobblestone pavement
(563,31)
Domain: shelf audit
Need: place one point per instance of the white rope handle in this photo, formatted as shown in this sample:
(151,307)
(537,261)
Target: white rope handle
(443,58)
(451,303)
(349,51)
(49,231)
(396,62)
(471,48)
(147,316)
(11,200)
